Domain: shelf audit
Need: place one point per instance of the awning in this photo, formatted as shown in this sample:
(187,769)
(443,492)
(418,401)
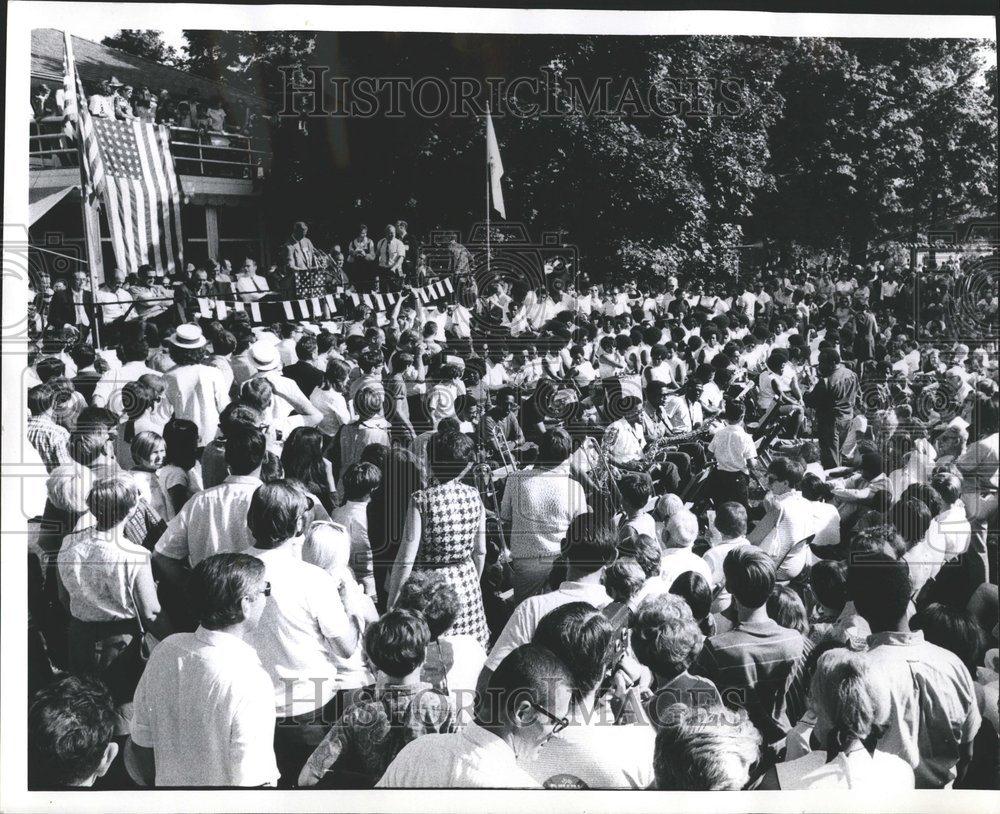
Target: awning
(42,199)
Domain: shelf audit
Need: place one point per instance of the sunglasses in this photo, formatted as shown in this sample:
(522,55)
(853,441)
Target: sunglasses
(559,723)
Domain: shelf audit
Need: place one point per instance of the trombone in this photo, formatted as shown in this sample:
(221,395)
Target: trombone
(503,445)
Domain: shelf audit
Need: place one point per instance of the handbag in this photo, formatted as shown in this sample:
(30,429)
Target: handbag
(122,674)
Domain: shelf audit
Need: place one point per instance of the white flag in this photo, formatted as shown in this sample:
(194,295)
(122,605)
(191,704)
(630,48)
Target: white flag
(495,166)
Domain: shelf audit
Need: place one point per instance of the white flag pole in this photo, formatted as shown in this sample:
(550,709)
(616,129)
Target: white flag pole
(487,139)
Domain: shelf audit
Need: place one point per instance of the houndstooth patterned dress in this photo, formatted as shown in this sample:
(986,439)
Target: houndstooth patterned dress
(450,517)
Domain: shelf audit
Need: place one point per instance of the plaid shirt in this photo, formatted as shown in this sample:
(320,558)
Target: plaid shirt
(51,441)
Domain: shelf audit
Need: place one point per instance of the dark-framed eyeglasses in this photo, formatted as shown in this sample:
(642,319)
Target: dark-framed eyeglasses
(559,724)
(266,590)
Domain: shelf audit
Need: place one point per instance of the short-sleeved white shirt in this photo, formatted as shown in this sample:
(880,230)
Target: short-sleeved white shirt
(205,706)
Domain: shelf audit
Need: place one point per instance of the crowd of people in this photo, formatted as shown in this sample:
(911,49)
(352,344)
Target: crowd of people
(672,534)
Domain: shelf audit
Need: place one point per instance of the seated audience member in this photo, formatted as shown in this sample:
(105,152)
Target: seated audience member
(705,749)
(204,709)
(752,664)
(665,638)
(359,482)
(697,593)
(71,723)
(454,660)
(636,489)
(731,524)
(526,702)
(933,717)
(215,520)
(852,703)
(788,520)
(305,625)
(828,597)
(589,546)
(589,753)
(370,733)
(679,535)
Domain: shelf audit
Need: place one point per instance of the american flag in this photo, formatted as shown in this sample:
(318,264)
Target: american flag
(128,164)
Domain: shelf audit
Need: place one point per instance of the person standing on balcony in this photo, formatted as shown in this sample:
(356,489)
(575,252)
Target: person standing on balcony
(101,104)
(166,110)
(390,254)
(123,104)
(360,256)
(144,106)
(216,115)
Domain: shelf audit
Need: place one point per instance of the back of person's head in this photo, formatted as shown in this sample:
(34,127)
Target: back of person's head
(880,538)
(112,499)
(636,488)
(50,367)
(731,520)
(397,643)
(245,449)
(528,677)
(953,629)
(665,635)
(336,372)
(181,439)
(644,550)
(734,411)
(870,465)
(71,724)
(258,393)
(880,587)
(948,486)
(555,447)
(911,518)
(432,595)
(814,488)
(590,543)
(851,698)
(694,589)
(276,513)
(360,480)
(788,470)
(623,578)
(705,749)
(828,579)
(450,452)
(219,584)
(236,416)
(786,608)
(41,397)
(581,637)
(749,576)
(681,530)
(367,402)
(305,348)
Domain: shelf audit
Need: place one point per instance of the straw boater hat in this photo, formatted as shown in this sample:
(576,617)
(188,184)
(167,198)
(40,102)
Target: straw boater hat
(115,83)
(264,356)
(189,337)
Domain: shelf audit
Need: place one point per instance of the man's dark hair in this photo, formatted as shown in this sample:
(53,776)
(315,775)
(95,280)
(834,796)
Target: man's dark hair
(734,411)
(41,397)
(361,479)
(880,588)
(70,724)
(529,673)
(245,450)
(429,593)
(749,575)
(731,519)
(590,543)
(305,348)
(217,586)
(788,470)
(636,489)
(555,447)
(50,367)
(828,579)
(397,643)
(953,629)
(694,589)
(581,637)
(275,512)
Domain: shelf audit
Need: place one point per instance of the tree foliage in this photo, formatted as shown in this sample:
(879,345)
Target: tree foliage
(145,43)
(824,144)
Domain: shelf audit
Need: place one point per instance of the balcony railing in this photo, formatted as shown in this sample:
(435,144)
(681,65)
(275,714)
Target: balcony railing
(196,152)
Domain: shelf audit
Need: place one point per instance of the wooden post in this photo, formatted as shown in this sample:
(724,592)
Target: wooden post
(212,231)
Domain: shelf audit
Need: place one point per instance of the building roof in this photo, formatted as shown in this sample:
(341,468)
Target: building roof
(95,62)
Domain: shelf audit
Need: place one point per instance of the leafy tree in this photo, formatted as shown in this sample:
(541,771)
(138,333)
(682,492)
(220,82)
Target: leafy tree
(145,43)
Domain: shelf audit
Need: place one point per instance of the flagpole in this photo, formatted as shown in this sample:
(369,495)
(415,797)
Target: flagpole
(487,140)
(90,222)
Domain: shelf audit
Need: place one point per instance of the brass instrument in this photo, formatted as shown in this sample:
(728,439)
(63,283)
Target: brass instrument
(483,474)
(607,473)
(503,445)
